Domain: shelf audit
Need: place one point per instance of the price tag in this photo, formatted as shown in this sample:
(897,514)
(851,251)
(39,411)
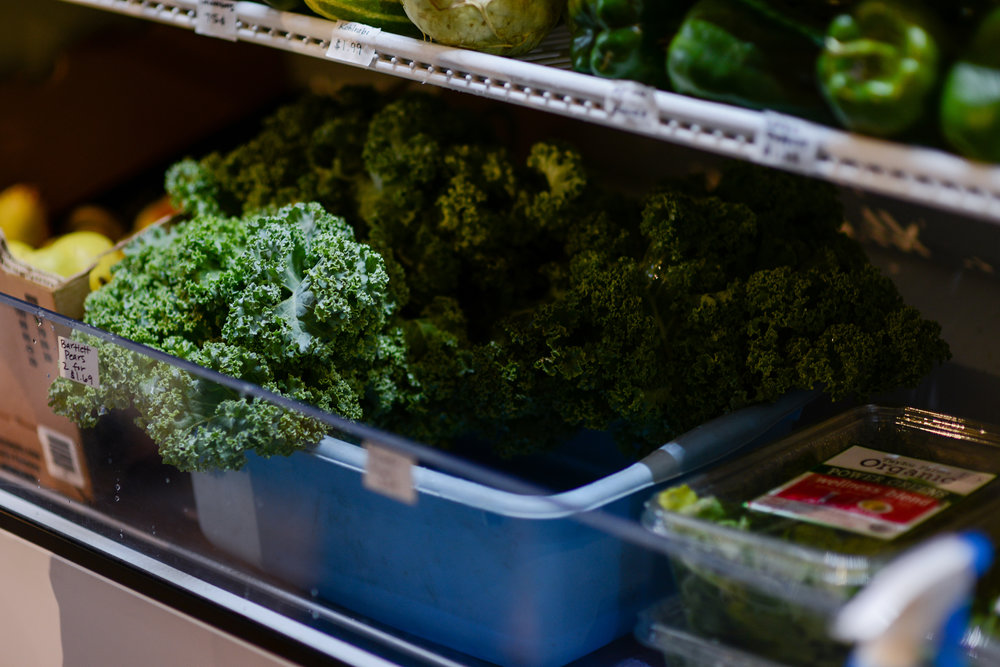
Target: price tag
(788,142)
(634,104)
(78,362)
(216,18)
(353,43)
(390,473)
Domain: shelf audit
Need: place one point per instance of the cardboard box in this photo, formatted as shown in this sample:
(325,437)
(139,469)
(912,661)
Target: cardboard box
(34,442)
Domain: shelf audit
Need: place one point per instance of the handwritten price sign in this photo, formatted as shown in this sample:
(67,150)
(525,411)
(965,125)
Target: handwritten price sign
(389,473)
(634,104)
(353,43)
(78,362)
(788,142)
(216,18)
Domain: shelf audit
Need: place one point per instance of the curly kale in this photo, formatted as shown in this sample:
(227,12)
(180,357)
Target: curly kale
(565,181)
(506,296)
(695,307)
(753,313)
(402,153)
(307,150)
(843,329)
(455,214)
(288,301)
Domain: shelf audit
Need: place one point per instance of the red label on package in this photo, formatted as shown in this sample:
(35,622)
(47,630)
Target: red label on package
(870,492)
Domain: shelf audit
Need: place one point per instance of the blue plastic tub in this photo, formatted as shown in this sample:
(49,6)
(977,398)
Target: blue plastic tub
(507,578)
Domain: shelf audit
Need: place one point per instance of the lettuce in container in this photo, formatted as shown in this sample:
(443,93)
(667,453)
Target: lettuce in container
(768,546)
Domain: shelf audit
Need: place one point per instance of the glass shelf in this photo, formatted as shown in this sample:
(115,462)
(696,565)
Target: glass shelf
(361,538)
(458,563)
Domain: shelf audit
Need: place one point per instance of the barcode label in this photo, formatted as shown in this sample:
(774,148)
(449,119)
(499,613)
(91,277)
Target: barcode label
(62,457)
(788,142)
(216,18)
(353,43)
(390,473)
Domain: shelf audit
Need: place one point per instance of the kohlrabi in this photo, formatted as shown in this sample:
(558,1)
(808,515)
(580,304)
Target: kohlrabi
(500,27)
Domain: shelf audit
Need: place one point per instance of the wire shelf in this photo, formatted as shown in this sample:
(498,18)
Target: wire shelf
(544,80)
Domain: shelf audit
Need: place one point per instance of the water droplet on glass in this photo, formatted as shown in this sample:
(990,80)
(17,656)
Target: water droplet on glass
(33,341)
(117,498)
(314,592)
(314,614)
(167,480)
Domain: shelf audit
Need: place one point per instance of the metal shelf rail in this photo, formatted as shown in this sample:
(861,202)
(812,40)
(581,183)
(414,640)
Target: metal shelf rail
(543,80)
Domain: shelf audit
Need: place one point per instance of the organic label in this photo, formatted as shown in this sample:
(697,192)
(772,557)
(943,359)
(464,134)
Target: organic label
(353,43)
(78,362)
(633,104)
(216,18)
(870,492)
(788,142)
(390,473)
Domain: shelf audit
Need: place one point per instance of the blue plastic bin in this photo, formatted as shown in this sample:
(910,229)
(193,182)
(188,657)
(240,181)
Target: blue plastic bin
(507,578)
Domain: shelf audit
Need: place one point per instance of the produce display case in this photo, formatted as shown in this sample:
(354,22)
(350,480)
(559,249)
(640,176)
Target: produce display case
(372,542)
(419,556)
(501,567)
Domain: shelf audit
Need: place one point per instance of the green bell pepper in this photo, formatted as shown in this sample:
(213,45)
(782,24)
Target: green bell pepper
(622,39)
(747,53)
(970,99)
(879,66)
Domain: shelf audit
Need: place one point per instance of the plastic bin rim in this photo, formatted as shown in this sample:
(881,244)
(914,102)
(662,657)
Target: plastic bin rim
(641,475)
(624,482)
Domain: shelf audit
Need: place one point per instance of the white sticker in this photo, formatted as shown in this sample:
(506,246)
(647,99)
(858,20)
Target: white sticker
(216,18)
(788,142)
(78,362)
(634,104)
(390,473)
(870,492)
(353,43)
(62,456)
(945,477)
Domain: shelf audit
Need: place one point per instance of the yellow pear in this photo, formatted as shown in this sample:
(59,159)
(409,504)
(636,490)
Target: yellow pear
(21,250)
(71,253)
(22,215)
(100,275)
(93,218)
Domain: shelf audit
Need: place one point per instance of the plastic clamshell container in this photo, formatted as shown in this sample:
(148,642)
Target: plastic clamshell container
(771,588)
(513,579)
(664,627)
(983,646)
